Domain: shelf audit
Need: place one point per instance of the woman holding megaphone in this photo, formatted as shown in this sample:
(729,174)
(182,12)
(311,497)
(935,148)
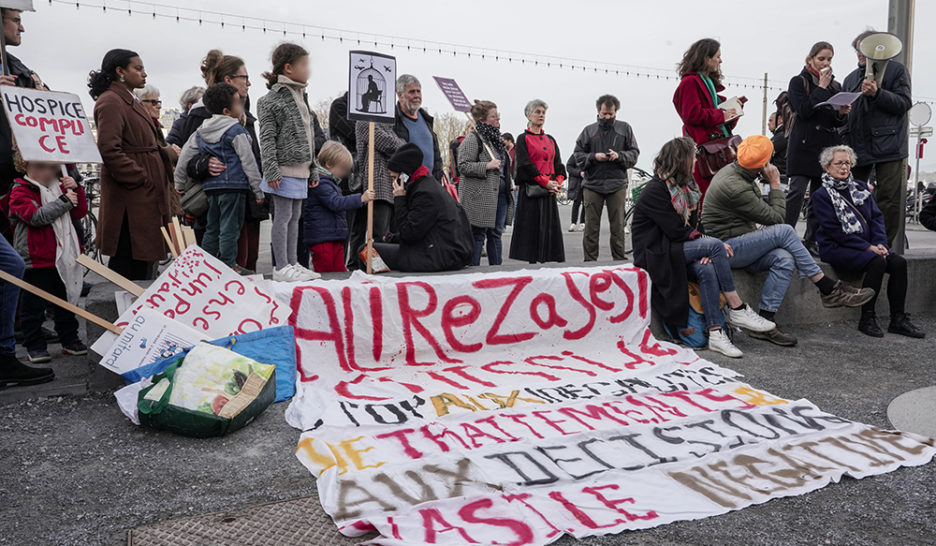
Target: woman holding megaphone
(812,129)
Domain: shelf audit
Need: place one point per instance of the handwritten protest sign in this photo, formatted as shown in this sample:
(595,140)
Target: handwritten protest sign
(453,93)
(49,125)
(150,336)
(513,408)
(200,292)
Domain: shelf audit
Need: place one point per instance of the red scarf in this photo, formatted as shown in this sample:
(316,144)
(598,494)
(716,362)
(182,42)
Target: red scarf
(421,172)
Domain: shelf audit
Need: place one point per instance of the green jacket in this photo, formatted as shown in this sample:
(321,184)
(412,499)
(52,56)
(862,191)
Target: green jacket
(734,204)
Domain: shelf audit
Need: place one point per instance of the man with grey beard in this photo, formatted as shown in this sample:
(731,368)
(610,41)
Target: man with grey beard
(414,124)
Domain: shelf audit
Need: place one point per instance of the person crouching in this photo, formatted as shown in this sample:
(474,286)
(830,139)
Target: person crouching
(42,207)
(326,225)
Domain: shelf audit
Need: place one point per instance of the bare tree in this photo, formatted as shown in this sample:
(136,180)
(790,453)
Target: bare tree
(448,126)
(321,109)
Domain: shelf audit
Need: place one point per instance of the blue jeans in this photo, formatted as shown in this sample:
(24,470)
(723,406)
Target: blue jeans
(495,246)
(714,277)
(776,249)
(12,263)
(225,219)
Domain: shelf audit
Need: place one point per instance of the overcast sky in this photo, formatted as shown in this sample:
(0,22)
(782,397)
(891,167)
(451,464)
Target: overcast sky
(63,43)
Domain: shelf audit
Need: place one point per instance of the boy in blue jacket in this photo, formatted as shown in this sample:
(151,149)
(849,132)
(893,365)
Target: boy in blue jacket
(325,213)
(224,137)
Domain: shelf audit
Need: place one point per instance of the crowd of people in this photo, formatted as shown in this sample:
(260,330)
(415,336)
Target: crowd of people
(224,170)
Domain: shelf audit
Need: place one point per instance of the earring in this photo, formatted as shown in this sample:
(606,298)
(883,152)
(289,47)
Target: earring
(123,80)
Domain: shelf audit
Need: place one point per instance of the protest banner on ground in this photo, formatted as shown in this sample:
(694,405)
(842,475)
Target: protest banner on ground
(200,292)
(49,125)
(512,408)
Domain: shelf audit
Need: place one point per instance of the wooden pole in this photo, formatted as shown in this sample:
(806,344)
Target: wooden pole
(763,129)
(168,239)
(3,54)
(6,277)
(111,275)
(370,204)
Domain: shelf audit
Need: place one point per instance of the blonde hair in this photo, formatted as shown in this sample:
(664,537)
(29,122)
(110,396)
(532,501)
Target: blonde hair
(334,153)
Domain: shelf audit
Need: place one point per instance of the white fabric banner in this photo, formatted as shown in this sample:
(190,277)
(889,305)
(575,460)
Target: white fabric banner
(512,408)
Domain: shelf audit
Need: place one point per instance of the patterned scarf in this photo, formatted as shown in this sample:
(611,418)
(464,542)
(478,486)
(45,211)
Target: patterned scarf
(843,211)
(492,136)
(685,198)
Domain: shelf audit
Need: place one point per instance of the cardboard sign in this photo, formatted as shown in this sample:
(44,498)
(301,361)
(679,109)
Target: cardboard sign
(49,125)
(150,336)
(512,408)
(454,94)
(371,87)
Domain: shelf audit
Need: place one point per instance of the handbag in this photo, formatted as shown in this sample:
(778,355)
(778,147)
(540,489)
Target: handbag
(716,153)
(535,191)
(194,201)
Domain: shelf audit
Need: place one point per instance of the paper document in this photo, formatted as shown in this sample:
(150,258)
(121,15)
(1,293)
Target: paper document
(839,100)
(735,103)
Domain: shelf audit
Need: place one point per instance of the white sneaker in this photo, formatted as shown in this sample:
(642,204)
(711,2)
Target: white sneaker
(746,318)
(287,274)
(573,228)
(718,341)
(306,273)
(581,226)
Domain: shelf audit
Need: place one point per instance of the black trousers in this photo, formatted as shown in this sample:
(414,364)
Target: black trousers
(390,253)
(896,266)
(383,219)
(123,263)
(33,309)
(794,202)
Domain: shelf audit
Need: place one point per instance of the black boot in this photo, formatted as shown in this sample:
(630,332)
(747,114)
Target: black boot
(900,324)
(15,373)
(868,325)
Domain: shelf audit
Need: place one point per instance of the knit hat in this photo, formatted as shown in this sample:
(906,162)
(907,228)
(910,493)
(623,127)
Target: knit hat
(755,152)
(406,159)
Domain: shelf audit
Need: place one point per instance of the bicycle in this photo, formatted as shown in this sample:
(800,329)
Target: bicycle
(88,224)
(638,180)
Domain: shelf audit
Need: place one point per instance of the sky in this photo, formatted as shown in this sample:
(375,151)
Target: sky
(62,43)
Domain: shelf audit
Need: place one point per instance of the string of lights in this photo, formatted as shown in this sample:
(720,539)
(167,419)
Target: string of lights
(286,29)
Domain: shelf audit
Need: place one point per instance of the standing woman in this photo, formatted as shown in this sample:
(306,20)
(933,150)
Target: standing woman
(485,186)
(811,130)
(136,174)
(149,96)
(537,235)
(697,99)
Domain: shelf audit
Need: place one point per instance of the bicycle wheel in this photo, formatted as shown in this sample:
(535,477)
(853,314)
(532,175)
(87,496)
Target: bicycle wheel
(563,198)
(89,234)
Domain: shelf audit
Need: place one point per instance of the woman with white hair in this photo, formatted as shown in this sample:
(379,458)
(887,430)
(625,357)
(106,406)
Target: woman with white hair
(852,239)
(537,235)
(149,96)
(189,98)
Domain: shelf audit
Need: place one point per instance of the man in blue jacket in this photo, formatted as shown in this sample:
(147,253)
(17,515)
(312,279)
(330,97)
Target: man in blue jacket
(605,150)
(877,131)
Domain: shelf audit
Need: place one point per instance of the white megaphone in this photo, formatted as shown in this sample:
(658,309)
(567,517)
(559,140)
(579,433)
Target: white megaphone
(878,48)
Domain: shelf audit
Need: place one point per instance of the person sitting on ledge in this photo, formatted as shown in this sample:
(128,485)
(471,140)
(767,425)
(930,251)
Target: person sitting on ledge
(853,239)
(734,207)
(430,231)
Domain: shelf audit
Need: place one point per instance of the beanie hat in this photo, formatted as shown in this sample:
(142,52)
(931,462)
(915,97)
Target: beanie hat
(755,152)
(406,159)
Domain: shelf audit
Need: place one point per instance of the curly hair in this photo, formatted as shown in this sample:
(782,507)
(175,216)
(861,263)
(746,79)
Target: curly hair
(675,160)
(695,59)
(100,80)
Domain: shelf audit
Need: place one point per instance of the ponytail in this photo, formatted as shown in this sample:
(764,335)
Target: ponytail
(285,53)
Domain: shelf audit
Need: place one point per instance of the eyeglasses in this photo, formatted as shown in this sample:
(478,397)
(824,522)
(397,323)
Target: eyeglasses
(152,101)
(842,164)
(245,76)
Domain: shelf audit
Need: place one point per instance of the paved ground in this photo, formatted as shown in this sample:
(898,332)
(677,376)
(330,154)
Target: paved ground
(75,471)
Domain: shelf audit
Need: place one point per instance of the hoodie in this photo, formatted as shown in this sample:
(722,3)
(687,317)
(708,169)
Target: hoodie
(226,139)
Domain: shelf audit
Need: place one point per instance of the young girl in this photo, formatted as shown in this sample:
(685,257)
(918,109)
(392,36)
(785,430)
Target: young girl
(42,208)
(287,148)
(326,225)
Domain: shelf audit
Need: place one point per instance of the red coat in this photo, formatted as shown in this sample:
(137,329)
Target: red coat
(33,235)
(699,115)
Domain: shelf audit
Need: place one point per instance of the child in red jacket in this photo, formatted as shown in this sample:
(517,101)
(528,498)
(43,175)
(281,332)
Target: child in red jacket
(42,207)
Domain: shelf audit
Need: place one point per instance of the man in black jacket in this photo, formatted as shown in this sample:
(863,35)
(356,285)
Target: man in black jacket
(877,131)
(430,230)
(414,124)
(604,151)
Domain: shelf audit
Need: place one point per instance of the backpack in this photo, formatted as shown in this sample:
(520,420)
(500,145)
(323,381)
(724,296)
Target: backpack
(695,335)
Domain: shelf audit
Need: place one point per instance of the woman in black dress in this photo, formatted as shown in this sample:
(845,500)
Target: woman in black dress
(537,236)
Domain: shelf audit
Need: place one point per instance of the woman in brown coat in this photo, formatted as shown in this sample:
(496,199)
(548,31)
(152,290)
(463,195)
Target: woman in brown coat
(135,178)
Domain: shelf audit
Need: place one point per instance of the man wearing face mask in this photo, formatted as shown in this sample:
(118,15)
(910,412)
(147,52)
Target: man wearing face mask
(733,208)
(605,150)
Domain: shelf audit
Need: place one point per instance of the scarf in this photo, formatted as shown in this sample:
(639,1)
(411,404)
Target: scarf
(492,136)
(843,211)
(67,248)
(710,85)
(685,198)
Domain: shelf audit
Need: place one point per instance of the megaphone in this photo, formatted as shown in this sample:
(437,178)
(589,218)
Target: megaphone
(878,48)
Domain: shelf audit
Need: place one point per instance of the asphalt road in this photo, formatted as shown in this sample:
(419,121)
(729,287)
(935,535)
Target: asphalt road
(75,471)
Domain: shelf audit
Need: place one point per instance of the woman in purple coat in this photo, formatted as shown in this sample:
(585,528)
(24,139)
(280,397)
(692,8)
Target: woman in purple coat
(852,239)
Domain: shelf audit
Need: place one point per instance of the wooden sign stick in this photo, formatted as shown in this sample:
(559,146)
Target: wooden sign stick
(165,235)
(6,277)
(111,275)
(180,237)
(370,204)
(483,143)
